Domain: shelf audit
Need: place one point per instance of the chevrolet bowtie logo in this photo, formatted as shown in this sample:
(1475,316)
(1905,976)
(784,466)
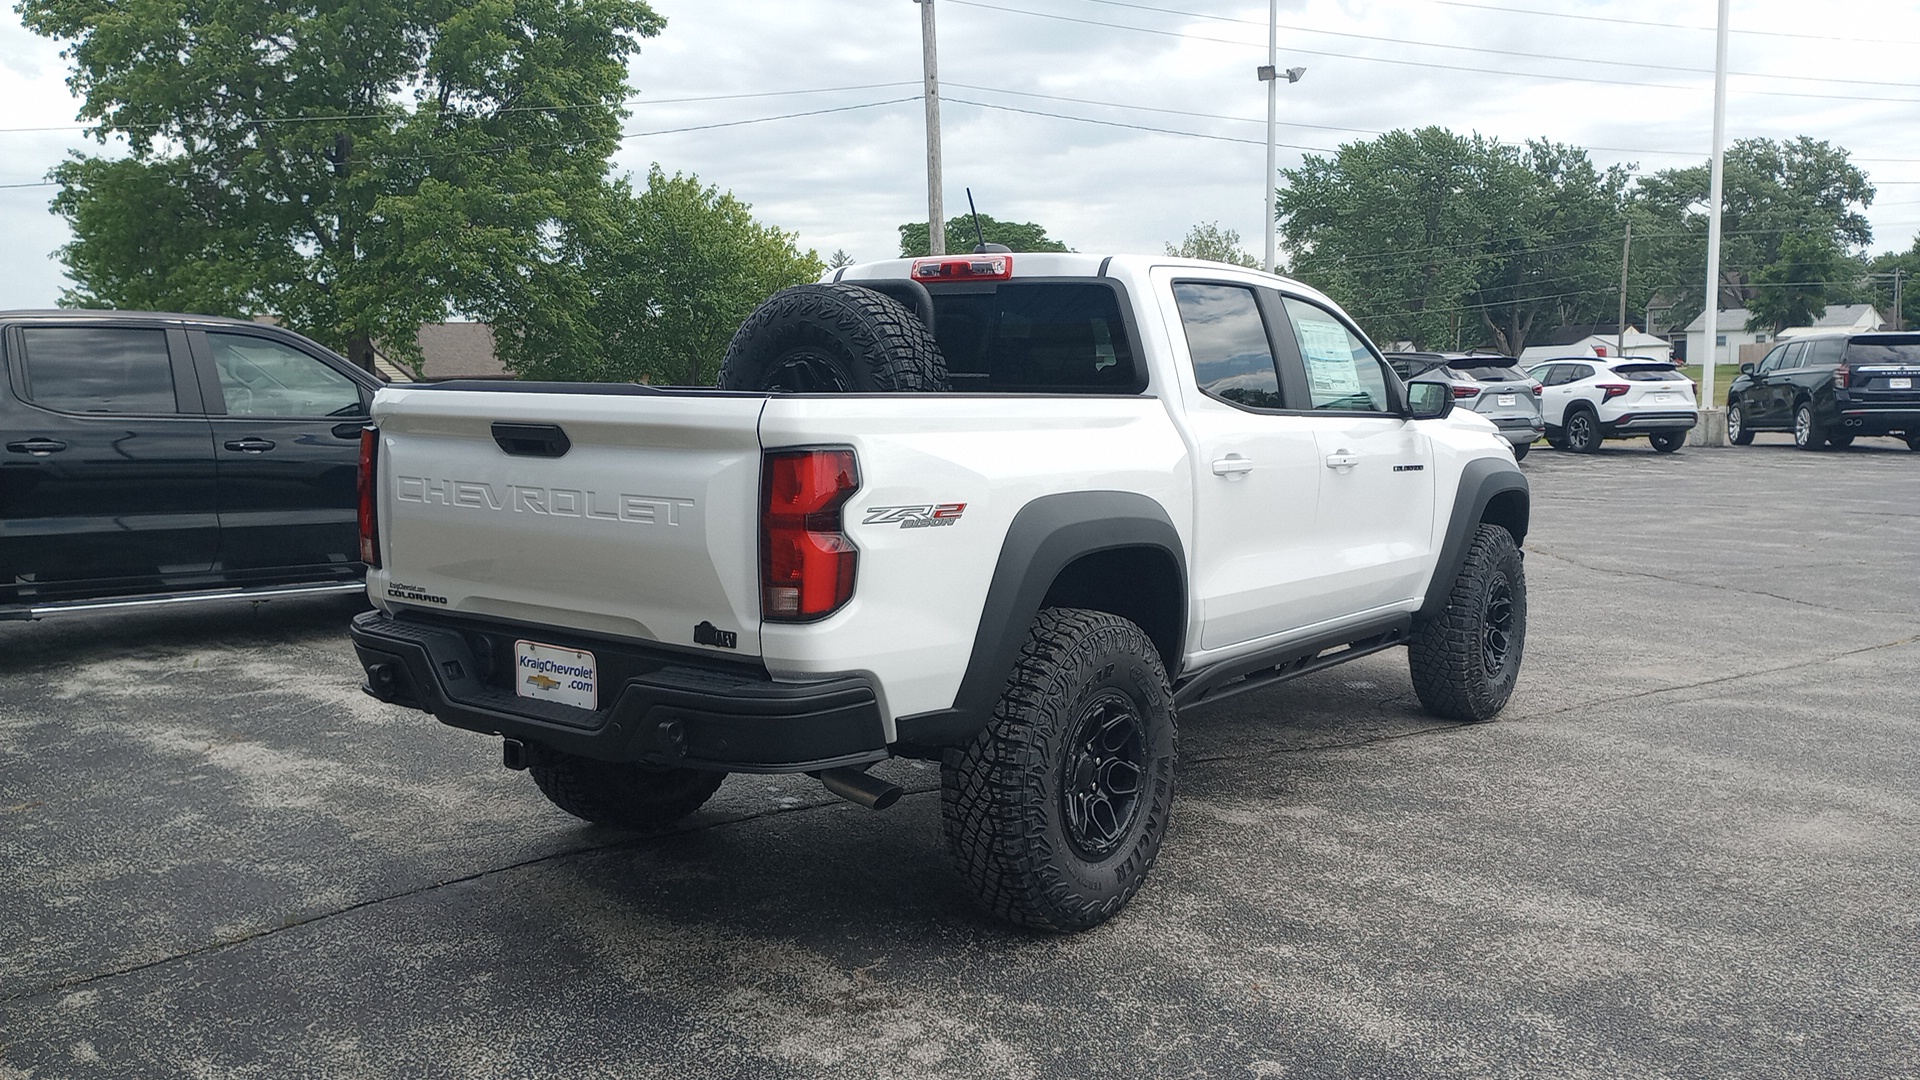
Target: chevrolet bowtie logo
(542,681)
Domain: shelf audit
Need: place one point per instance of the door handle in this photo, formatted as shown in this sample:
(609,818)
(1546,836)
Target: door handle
(252,444)
(37,447)
(1232,465)
(1342,460)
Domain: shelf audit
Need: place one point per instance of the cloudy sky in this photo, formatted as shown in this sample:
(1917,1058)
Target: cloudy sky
(1120,125)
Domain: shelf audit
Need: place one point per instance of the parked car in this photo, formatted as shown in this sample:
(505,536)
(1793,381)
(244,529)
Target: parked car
(1164,481)
(156,458)
(1586,399)
(1489,384)
(1828,389)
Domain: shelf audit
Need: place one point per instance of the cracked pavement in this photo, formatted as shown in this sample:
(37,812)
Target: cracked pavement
(1686,849)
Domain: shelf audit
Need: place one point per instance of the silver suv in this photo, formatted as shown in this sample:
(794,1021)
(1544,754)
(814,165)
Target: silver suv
(1487,383)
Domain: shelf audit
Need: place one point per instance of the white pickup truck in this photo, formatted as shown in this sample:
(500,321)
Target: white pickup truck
(1008,512)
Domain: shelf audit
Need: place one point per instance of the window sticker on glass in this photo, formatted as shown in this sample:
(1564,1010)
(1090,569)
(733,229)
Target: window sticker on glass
(1329,357)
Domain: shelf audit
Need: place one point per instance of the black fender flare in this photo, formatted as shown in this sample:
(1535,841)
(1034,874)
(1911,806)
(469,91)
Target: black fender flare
(1047,535)
(1481,482)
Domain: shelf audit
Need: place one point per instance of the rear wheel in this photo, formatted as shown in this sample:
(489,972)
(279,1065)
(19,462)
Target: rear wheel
(1913,442)
(1520,450)
(1840,442)
(1807,432)
(1465,660)
(1556,438)
(1583,431)
(832,338)
(1667,442)
(624,794)
(1055,812)
(1738,433)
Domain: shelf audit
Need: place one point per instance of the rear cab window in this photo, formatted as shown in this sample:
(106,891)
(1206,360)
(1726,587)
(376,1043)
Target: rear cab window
(1036,337)
(97,370)
(1486,370)
(1904,351)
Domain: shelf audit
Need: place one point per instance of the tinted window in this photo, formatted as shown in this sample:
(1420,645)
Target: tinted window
(1342,372)
(1772,360)
(1062,337)
(1824,353)
(1649,373)
(88,369)
(1486,370)
(1790,356)
(1887,352)
(1232,358)
(265,378)
(1572,373)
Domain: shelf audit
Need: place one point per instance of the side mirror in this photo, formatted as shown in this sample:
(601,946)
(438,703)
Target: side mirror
(1428,400)
(1746,369)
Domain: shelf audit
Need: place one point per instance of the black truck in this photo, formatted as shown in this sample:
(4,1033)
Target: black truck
(154,459)
(1828,389)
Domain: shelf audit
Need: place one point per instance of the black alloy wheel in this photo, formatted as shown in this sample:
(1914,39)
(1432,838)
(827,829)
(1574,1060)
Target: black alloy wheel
(1106,761)
(1496,630)
(1583,431)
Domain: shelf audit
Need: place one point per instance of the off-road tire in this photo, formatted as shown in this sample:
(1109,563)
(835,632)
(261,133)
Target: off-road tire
(1458,669)
(1738,433)
(1666,442)
(1520,450)
(833,338)
(1808,434)
(626,795)
(1582,431)
(1021,804)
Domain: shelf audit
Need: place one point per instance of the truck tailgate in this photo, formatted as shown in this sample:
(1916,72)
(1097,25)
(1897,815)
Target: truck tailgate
(645,527)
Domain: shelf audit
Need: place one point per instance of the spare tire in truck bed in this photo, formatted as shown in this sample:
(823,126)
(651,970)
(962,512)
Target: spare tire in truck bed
(833,338)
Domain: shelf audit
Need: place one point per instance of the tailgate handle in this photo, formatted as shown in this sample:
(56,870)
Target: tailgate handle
(531,440)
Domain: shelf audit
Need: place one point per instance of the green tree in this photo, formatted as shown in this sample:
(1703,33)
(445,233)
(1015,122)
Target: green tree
(1018,235)
(1210,241)
(1443,239)
(1772,190)
(839,258)
(1881,292)
(1793,290)
(673,270)
(355,168)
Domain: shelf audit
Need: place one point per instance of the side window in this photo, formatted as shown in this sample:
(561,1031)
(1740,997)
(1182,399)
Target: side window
(1232,358)
(1771,361)
(1576,372)
(87,369)
(1825,352)
(1791,356)
(1342,373)
(265,378)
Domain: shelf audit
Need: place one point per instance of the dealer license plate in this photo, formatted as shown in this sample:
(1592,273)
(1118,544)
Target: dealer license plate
(1506,399)
(550,673)
(1900,384)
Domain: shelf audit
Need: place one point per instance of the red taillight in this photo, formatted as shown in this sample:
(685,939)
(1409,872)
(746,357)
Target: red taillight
(1840,376)
(1609,391)
(806,558)
(369,523)
(1538,388)
(996,266)
(1466,391)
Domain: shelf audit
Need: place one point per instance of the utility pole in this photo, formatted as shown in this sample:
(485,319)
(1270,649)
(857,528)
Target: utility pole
(1899,322)
(930,66)
(1713,234)
(1273,108)
(1625,248)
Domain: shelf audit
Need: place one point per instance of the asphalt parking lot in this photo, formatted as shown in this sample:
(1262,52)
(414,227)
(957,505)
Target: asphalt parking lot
(1688,848)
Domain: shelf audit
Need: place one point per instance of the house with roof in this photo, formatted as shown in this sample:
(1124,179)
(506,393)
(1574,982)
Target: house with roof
(1730,330)
(1596,339)
(449,350)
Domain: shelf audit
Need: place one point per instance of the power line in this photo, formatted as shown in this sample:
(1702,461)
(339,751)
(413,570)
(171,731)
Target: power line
(1482,71)
(1495,52)
(1131,127)
(337,117)
(1795,35)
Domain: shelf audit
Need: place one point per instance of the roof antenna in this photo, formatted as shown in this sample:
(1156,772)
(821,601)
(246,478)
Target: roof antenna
(981,246)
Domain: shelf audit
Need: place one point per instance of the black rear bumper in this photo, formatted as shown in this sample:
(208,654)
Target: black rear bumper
(1856,419)
(669,710)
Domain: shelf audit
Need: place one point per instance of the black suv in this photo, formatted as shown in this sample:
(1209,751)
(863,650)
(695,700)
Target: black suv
(1829,388)
(153,458)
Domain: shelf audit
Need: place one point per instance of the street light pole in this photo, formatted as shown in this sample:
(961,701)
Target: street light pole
(930,67)
(1708,436)
(1273,109)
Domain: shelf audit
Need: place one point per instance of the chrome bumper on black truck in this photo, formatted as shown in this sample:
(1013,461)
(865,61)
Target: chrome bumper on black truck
(660,707)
